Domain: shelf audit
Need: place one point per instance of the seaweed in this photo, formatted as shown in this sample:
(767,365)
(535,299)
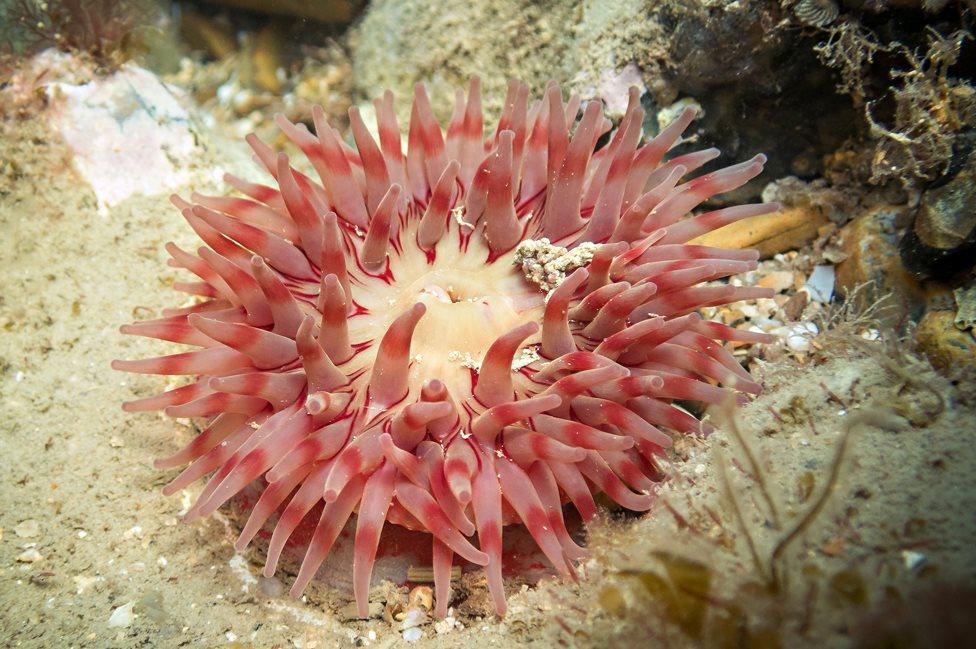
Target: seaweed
(926,108)
(105,30)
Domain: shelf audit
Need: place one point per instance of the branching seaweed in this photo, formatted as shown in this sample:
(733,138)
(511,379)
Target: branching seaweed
(877,417)
(930,107)
(723,471)
(102,29)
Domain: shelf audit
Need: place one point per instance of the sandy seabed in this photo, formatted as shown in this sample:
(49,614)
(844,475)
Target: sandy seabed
(93,555)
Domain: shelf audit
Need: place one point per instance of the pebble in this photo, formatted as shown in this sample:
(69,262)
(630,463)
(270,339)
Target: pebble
(448,624)
(913,560)
(122,616)
(270,586)
(779,280)
(27,529)
(414,617)
(413,634)
(945,345)
(83,583)
(421,597)
(798,336)
(30,555)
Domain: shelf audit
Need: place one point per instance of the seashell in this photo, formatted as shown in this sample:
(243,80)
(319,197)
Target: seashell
(816,13)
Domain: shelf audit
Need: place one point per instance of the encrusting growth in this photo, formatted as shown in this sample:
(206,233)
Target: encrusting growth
(332,312)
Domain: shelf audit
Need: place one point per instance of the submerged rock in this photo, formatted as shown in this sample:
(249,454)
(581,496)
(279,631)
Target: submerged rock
(941,243)
(945,345)
(870,243)
(128,132)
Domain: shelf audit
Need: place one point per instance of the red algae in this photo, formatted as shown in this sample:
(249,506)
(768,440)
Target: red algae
(455,337)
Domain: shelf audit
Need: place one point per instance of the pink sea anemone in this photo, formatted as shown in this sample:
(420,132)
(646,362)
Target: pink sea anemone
(452,339)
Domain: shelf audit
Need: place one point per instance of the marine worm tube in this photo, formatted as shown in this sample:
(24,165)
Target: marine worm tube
(455,337)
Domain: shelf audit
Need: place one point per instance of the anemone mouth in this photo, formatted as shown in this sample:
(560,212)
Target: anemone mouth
(470,302)
(455,337)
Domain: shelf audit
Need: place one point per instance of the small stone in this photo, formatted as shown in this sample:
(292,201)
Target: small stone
(793,308)
(413,617)
(27,529)
(83,583)
(115,442)
(946,346)
(913,560)
(421,597)
(30,555)
(122,616)
(448,624)
(270,586)
(413,634)
(834,547)
(798,336)
(779,280)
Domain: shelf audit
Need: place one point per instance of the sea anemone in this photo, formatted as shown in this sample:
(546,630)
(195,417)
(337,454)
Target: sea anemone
(458,337)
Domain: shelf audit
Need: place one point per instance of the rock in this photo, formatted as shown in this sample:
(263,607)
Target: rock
(30,555)
(941,244)
(323,11)
(421,597)
(413,634)
(788,229)
(870,243)
(837,204)
(128,121)
(779,280)
(947,347)
(793,308)
(122,616)
(965,307)
(27,529)
(270,586)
